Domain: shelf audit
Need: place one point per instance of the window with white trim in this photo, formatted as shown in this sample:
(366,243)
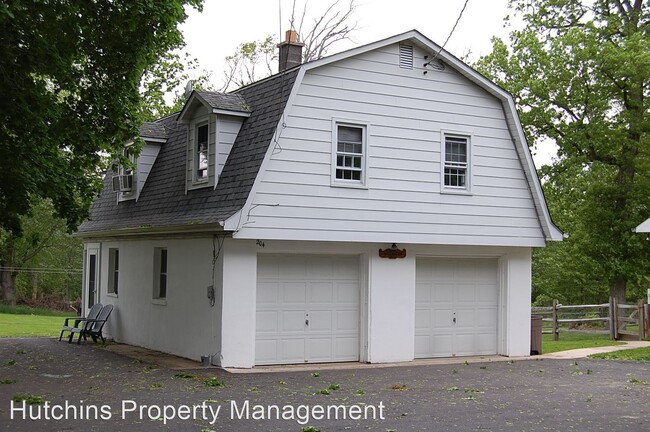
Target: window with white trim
(201,153)
(113,270)
(350,154)
(160,273)
(456,166)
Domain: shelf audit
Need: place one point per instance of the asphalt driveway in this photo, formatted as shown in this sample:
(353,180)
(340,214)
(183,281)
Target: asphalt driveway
(88,388)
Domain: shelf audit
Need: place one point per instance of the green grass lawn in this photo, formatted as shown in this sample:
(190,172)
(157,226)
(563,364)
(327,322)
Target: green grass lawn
(569,341)
(24,325)
(637,354)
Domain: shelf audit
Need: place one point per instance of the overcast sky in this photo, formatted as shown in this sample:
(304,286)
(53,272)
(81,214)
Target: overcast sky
(217,31)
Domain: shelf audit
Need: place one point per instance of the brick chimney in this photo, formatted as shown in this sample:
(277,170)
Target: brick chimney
(290,51)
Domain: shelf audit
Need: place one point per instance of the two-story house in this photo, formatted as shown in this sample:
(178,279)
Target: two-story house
(377,205)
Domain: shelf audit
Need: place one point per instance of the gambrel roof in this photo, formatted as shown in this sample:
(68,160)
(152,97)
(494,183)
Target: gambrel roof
(164,204)
(163,201)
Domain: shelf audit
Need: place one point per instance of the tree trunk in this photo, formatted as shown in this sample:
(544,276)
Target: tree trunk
(8,281)
(34,286)
(618,290)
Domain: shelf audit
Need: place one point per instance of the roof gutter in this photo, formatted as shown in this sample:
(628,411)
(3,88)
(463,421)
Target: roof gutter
(182,230)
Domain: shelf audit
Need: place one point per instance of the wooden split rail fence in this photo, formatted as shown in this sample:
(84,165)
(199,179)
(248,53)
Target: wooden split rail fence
(619,321)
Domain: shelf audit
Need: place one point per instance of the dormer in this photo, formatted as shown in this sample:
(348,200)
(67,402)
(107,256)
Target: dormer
(213,121)
(129,181)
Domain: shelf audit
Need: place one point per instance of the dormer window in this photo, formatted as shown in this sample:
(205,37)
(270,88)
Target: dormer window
(124,181)
(213,122)
(202,151)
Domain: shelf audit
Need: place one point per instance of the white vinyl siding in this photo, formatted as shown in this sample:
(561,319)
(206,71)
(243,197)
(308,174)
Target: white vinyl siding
(227,130)
(407,113)
(145,162)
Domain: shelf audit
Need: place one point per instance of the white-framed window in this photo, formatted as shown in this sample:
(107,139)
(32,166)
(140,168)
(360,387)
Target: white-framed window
(160,274)
(113,270)
(350,154)
(124,180)
(201,152)
(456,162)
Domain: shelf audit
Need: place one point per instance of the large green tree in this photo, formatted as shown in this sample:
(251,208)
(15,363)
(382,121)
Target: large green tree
(580,74)
(70,75)
(70,78)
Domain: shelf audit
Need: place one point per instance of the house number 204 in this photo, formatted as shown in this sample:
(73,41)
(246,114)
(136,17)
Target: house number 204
(260,243)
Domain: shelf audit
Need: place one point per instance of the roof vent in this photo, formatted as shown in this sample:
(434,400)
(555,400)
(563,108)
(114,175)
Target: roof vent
(406,56)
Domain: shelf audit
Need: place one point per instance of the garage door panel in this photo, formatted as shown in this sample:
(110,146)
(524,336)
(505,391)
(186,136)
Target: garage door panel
(267,321)
(423,293)
(347,292)
(292,321)
(442,293)
(485,317)
(485,342)
(440,346)
(307,309)
(465,293)
(293,350)
(347,321)
(465,318)
(320,349)
(268,293)
(266,350)
(320,320)
(347,348)
(465,344)
(321,292)
(487,293)
(443,318)
(422,319)
(294,292)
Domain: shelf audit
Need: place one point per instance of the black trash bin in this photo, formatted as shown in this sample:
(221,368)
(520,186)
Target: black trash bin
(535,334)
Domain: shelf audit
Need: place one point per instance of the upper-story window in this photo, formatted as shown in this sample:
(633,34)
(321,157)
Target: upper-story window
(456,162)
(201,154)
(124,181)
(350,153)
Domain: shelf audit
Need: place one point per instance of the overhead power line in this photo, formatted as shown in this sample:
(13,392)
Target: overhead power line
(460,15)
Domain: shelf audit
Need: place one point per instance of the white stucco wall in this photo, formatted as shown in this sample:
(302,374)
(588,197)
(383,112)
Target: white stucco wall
(184,323)
(391,308)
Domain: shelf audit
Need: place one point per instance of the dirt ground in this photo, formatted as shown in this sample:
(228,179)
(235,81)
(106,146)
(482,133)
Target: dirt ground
(119,393)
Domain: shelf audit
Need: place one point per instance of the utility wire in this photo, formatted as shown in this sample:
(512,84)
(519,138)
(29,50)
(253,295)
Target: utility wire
(462,11)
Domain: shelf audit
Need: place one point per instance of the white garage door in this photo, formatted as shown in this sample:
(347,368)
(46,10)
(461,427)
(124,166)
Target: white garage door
(307,309)
(456,307)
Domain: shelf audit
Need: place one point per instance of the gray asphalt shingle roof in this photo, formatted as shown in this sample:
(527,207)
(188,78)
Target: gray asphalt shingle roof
(163,201)
(153,130)
(224,101)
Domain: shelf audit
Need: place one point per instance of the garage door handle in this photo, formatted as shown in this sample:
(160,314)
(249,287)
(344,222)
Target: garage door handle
(454,320)
(307,322)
